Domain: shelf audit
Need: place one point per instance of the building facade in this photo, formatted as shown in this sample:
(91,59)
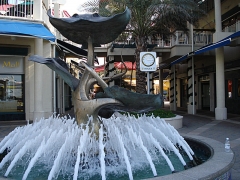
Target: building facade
(26,88)
(209,80)
(31,91)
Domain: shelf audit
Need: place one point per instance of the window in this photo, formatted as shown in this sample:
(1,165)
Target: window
(229,88)
(11,93)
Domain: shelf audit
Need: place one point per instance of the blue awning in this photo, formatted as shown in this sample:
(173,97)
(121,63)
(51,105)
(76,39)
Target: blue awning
(25,28)
(209,47)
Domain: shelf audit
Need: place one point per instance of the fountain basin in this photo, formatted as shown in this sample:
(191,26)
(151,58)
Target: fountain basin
(218,166)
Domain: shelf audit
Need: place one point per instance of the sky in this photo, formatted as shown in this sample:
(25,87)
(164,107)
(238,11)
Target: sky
(72,5)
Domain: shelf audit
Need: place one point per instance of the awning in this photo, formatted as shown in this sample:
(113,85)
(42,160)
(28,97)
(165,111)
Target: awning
(72,49)
(100,68)
(25,28)
(78,52)
(118,65)
(129,65)
(209,47)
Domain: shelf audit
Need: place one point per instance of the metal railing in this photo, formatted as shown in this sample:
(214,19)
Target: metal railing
(233,28)
(22,9)
(181,38)
(17,8)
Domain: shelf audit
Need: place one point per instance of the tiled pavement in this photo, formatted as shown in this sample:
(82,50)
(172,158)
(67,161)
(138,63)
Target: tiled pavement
(201,124)
(204,124)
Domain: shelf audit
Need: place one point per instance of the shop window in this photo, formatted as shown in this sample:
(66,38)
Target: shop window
(229,88)
(11,93)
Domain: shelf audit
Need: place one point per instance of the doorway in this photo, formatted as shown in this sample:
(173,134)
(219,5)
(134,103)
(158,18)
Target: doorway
(205,95)
(183,91)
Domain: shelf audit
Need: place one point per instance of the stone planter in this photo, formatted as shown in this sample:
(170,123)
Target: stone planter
(176,122)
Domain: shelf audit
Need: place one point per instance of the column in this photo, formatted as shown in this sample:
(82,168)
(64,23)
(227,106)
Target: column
(111,70)
(178,95)
(220,110)
(212,90)
(160,78)
(173,106)
(56,9)
(60,82)
(53,52)
(37,10)
(191,84)
(38,82)
(151,83)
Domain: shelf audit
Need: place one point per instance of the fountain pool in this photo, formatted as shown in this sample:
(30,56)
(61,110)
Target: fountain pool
(126,148)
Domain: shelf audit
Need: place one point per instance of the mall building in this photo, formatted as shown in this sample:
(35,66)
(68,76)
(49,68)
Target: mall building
(28,90)
(203,67)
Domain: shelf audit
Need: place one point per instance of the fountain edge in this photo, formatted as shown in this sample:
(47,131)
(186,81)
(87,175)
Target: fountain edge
(218,165)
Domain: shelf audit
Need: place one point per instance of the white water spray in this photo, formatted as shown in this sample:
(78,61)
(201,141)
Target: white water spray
(125,143)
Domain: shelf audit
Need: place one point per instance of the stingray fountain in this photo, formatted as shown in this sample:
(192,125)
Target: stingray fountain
(99,143)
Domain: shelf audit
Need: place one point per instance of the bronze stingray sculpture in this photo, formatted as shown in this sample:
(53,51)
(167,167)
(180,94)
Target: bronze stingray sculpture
(80,27)
(84,29)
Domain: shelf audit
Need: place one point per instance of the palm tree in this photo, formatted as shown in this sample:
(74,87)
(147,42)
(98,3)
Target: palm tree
(150,18)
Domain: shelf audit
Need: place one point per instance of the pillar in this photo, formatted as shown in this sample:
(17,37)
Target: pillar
(56,8)
(191,91)
(111,70)
(212,90)
(173,106)
(178,95)
(160,79)
(60,82)
(38,82)
(37,10)
(151,83)
(220,110)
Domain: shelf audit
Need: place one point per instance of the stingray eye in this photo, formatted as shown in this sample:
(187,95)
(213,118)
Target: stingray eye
(95,15)
(75,15)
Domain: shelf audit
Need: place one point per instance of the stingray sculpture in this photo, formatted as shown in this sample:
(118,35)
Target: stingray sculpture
(93,29)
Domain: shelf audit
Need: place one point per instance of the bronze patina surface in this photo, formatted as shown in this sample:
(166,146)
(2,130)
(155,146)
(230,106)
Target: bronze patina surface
(93,29)
(80,27)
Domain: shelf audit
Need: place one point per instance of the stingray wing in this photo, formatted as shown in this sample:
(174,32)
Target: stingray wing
(102,30)
(132,102)
(60,67)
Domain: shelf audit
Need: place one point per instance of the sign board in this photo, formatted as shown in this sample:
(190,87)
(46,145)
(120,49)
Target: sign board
(148,61)
(11,65)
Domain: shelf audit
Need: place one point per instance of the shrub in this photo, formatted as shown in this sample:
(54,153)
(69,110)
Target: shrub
(156,113)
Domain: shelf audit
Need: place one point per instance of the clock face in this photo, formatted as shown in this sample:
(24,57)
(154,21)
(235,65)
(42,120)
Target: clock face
(148,59)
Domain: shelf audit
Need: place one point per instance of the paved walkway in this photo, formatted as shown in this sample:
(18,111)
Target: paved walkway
(204,124)
(201,124)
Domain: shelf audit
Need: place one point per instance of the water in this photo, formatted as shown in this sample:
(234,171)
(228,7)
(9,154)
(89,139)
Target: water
(127,148)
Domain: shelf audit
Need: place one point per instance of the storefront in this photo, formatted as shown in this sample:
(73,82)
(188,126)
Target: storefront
(232,86)
(12,88)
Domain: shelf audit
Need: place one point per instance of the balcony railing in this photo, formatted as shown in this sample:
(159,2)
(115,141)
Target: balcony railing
(17,8)
(23,9)
(233,28)
(181,38)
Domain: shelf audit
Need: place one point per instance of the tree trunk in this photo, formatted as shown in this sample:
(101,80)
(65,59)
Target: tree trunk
(141,46)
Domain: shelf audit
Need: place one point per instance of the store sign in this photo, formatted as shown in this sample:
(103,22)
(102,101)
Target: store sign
(148,61)
(11,65)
